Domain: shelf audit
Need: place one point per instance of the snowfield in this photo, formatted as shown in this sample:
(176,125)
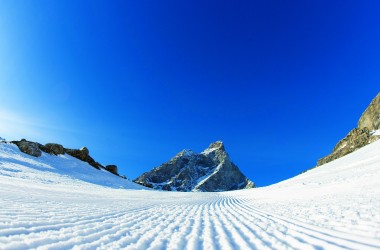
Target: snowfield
(59,202)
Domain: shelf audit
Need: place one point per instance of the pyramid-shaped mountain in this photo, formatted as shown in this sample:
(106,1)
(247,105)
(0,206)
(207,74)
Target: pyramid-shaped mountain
(210,171)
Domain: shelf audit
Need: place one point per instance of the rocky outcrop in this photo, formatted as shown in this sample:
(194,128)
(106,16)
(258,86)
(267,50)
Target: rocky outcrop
(112,169)
(54,148)
(212,170)
(356,139)
(83,154)
(29,147)
(371,117)
(364,134)
(35,149)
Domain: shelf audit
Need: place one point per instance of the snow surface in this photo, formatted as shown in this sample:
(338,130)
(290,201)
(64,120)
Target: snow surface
(59,202)
(376,132)
(210,150)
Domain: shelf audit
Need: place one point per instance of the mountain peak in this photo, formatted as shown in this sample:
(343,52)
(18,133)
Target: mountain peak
(212,170)
(216,145)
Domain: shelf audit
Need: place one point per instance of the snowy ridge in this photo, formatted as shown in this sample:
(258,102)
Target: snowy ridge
(186,152)
(61,169)
(204,178)
(334,206)
(208,151)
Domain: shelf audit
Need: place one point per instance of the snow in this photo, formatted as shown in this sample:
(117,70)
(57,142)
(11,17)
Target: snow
(208,151)
(187,152)
(376,132)
(59,202)
(204,178)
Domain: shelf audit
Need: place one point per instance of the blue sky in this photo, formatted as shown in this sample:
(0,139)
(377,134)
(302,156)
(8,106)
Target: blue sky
(137,81)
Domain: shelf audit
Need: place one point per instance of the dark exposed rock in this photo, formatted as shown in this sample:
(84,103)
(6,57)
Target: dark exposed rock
(112,169)
(53,148)
(148,185)
(83,155)
(356,139)
(211,170)
(28,147)
(84,151)
(368,123)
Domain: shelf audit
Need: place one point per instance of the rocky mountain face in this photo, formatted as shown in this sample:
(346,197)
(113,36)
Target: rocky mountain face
(212,170)
(366,132)
(35,149)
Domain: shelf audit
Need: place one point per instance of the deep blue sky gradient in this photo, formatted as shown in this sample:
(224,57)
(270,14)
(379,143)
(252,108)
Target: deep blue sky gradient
(280,82)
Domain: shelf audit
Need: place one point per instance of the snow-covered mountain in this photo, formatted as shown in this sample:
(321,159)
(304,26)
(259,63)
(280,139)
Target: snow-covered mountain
(60,202)
(212,170)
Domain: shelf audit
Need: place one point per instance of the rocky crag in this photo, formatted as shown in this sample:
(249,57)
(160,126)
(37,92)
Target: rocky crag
(368,131)
(35,149)
(212,170)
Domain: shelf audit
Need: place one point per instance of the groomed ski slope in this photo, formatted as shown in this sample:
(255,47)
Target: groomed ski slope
(59,203)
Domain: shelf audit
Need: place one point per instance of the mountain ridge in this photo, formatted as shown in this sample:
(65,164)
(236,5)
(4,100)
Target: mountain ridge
(366,132)
(36,149)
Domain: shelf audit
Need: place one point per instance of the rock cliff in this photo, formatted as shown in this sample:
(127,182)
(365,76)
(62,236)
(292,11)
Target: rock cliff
(371,117)
(366,132)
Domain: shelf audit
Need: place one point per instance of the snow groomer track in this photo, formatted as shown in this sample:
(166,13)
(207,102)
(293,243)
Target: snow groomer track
(58,202)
